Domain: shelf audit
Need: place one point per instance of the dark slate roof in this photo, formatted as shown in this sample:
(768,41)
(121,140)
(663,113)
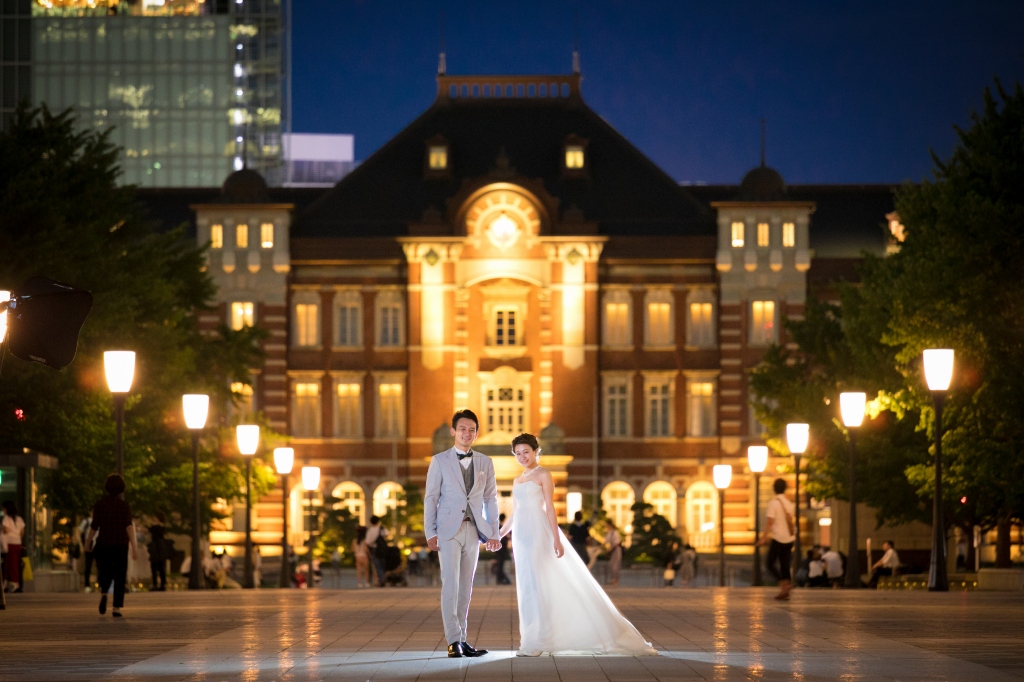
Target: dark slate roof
(169,206)
(762,184)
(847,221)
(622,191)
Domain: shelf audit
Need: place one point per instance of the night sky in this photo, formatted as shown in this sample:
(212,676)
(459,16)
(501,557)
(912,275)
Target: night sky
(852,92)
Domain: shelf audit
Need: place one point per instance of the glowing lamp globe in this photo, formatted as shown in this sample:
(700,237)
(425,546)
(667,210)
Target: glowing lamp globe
(938,368)
(248,438)
(757,458)
(120,369)
(5,296)
(852,406)
(797,436)
(825,522)
(722,475)
(196,407)
(310,478)
(284,460)
(503,231)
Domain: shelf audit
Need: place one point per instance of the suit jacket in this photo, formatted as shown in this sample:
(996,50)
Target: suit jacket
(444,504)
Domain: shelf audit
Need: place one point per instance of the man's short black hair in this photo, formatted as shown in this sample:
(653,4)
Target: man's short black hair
(891,544)
(374,519)
(465,414)
(578,516)
(114,485)
(779,486)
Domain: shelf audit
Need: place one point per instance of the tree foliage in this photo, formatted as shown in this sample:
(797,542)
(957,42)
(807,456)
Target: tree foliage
(62,215)
(957,282)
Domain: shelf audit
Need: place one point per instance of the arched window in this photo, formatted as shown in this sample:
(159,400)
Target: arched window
(618,498)
(662,496)
(350,496)
(702,514)
(385,498)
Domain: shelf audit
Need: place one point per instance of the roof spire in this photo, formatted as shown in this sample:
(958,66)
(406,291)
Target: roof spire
(762,143)
(442,67)
(576,42)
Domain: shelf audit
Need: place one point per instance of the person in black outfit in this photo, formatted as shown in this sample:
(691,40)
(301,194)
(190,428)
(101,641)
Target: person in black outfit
(501,556)
(579,534)
(112,518)
(158,554)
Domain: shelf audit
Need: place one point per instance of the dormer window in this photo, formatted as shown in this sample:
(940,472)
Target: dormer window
(217,236)
(267,235)
(437,157)
(574,156)
(788,235)
(763,234)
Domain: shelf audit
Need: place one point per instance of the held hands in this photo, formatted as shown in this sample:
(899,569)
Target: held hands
(558,548)
(492,545)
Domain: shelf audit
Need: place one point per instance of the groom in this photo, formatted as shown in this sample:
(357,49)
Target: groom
(460,510)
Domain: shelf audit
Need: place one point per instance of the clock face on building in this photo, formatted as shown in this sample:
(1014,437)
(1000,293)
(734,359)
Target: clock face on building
(504,215)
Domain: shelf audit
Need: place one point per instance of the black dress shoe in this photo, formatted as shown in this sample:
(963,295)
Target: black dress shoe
(471,652)
(455,650)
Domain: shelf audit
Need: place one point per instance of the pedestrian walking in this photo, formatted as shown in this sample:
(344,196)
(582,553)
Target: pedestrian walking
(780,534)
(12,532)
(688,567)
(158,554)
(362,554)
(377,541)
(579,536)
(83,532)
(112,519)
(614,542)
(501,556)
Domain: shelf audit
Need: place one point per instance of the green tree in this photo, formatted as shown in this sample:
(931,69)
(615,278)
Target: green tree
(653,535)
(62,215)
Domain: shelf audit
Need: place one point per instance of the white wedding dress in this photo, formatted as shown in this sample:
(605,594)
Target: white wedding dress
(562,609)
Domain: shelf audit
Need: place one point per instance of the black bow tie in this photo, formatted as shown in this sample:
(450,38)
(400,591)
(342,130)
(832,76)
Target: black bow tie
(464,456)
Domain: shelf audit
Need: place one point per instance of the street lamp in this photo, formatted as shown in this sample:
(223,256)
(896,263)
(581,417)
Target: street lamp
(852,406)
(196,408)
(797,436)
(722,475)
(938,372)
(310,481)
(757,460)
(248,438)
(120,369)
(284,459)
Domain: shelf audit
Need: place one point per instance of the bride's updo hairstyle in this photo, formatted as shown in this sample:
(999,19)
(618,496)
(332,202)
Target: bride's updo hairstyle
(526,439)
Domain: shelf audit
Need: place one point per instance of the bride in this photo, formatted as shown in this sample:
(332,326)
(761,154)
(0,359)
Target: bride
(562,609)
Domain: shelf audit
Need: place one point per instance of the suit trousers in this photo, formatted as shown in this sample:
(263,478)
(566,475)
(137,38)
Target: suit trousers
(458,558)
(112,562)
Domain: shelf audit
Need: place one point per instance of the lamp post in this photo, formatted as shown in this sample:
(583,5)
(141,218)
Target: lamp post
(797,436)
(757,460)
(938,372)
(248,437)
(284,459)
(119,366)
(722,475)
(196,407)
(310,481)
(852,406)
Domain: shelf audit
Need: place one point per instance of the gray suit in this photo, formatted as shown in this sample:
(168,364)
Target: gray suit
(460,520)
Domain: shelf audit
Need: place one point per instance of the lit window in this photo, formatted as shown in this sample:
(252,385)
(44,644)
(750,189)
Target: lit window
(700,330)
(348,413)
(762,234)
(267,235)
(574,156)
(701,409)
(242,236)
(737,235)
(618,331)
(438,157)
(217,236)
(662,496)
(306,409)
(506,409)
(659,318)
(390,408)
(307,324)
(348,317)
(242,394)
(616,404)
(788,235)
(659,407)
(618,499)
(702,514)
(505,328)
(762,322)
(389,327)
(241,315)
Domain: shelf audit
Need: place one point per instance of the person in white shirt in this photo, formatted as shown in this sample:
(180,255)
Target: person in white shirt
(780,533)
(887,565)
(833,566)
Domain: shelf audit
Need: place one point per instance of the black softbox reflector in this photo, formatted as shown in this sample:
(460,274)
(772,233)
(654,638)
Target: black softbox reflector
(44,319)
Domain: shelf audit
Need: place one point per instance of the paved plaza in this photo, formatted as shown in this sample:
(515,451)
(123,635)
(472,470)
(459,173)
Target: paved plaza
(712,634)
